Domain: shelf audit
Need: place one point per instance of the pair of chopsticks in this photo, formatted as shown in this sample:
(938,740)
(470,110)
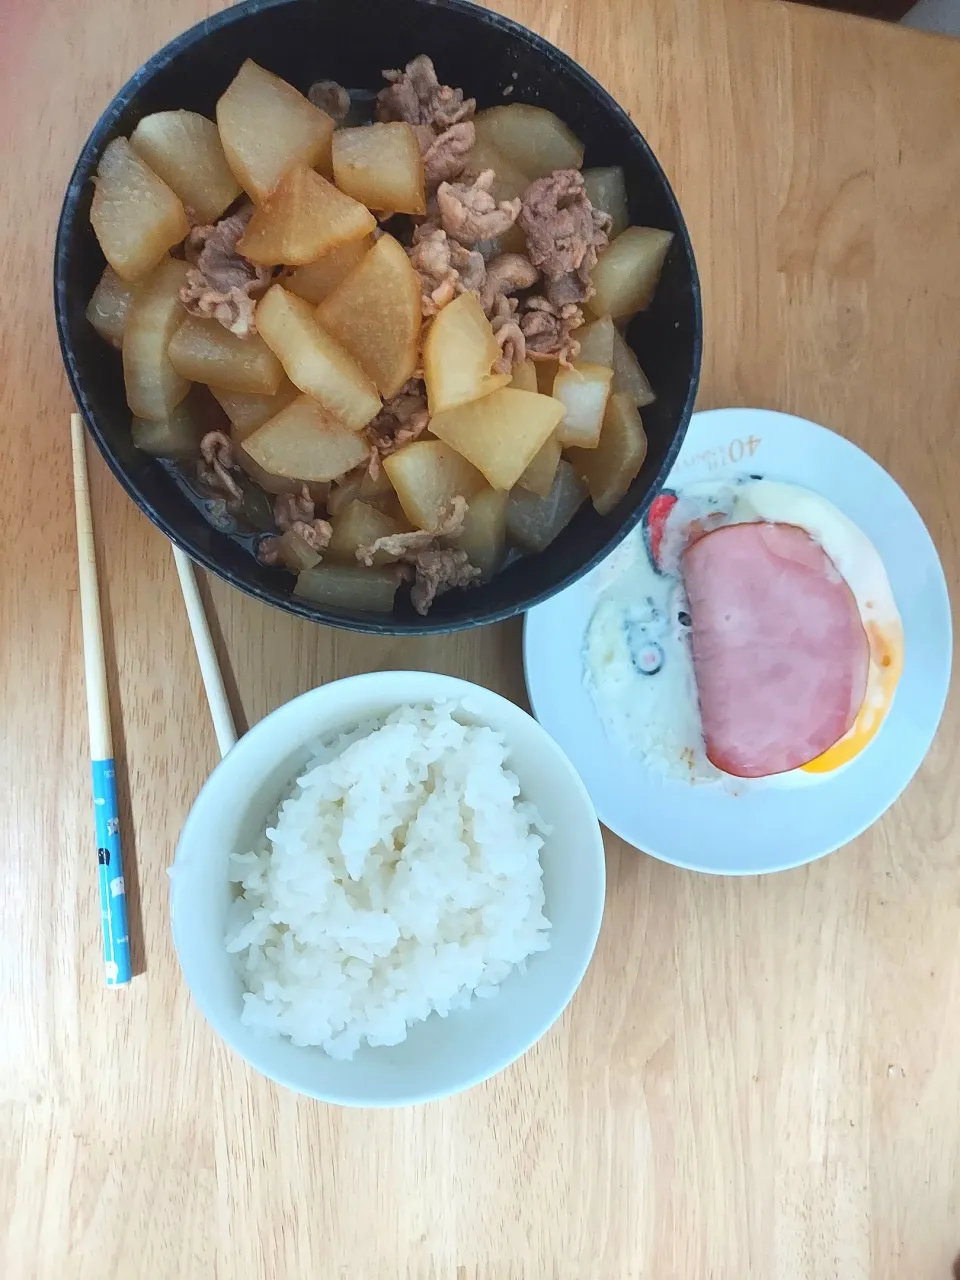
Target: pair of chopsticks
(113,904)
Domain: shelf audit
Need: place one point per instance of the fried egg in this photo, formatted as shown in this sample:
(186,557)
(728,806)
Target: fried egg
(637,651)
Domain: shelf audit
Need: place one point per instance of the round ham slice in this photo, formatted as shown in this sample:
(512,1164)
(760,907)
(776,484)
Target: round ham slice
(779,650)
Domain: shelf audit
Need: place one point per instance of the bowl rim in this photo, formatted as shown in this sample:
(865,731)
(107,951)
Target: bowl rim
(441,688)
(372,623)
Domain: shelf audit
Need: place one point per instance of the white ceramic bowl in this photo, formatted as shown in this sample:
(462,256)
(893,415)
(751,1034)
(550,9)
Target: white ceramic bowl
(442,1055)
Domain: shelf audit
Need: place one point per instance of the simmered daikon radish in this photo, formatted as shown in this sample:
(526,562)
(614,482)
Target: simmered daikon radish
(317,280)
(184,149)
(296,553)
(484,532)
(375,315)
(380,165)
(344,491)
(525,377)
(305,442)
(304,217)
(179,434)
(509,182)
(596,342)
(135,215)
(314,361)
(267,127)
(204,351)
(359,525)
(500,434)
(346,587)
(247,410)
(535,140)
(271,483)
(583,392)
(379,491)
(538,477)
(459,352)
(153,386)
(611,467)
(606,189)
(427,476)
(107,309)
(534,522)
(625,278)
(627,374)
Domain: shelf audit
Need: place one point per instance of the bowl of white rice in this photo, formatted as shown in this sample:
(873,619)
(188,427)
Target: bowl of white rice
(389,889)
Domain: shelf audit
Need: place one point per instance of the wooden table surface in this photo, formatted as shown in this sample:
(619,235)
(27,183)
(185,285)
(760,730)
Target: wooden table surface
(759,1077)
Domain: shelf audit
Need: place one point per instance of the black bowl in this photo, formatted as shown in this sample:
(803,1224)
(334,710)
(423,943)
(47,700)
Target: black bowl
(307,40)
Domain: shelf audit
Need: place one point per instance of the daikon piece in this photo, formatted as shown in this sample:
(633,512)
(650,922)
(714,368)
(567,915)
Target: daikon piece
(134,214)
(154,388)
(267,126)
(314,361)
(184,149)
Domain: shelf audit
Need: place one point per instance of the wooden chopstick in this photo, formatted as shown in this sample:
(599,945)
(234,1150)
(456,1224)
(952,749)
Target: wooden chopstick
(113,902)
(223,722)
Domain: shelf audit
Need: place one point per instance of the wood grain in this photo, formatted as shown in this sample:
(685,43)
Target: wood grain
(759,1078)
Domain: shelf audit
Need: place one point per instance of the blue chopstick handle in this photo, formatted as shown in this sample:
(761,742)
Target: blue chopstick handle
(113,902)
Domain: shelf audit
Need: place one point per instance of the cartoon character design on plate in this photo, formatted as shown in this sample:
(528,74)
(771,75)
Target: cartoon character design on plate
(637,656)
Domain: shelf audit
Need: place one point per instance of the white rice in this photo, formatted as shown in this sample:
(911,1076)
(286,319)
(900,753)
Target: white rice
(401,878)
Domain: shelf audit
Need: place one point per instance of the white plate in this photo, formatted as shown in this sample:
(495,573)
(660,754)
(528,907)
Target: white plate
(705,828)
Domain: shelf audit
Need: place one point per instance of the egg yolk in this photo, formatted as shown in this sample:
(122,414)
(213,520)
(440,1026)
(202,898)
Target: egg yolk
(883,675)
